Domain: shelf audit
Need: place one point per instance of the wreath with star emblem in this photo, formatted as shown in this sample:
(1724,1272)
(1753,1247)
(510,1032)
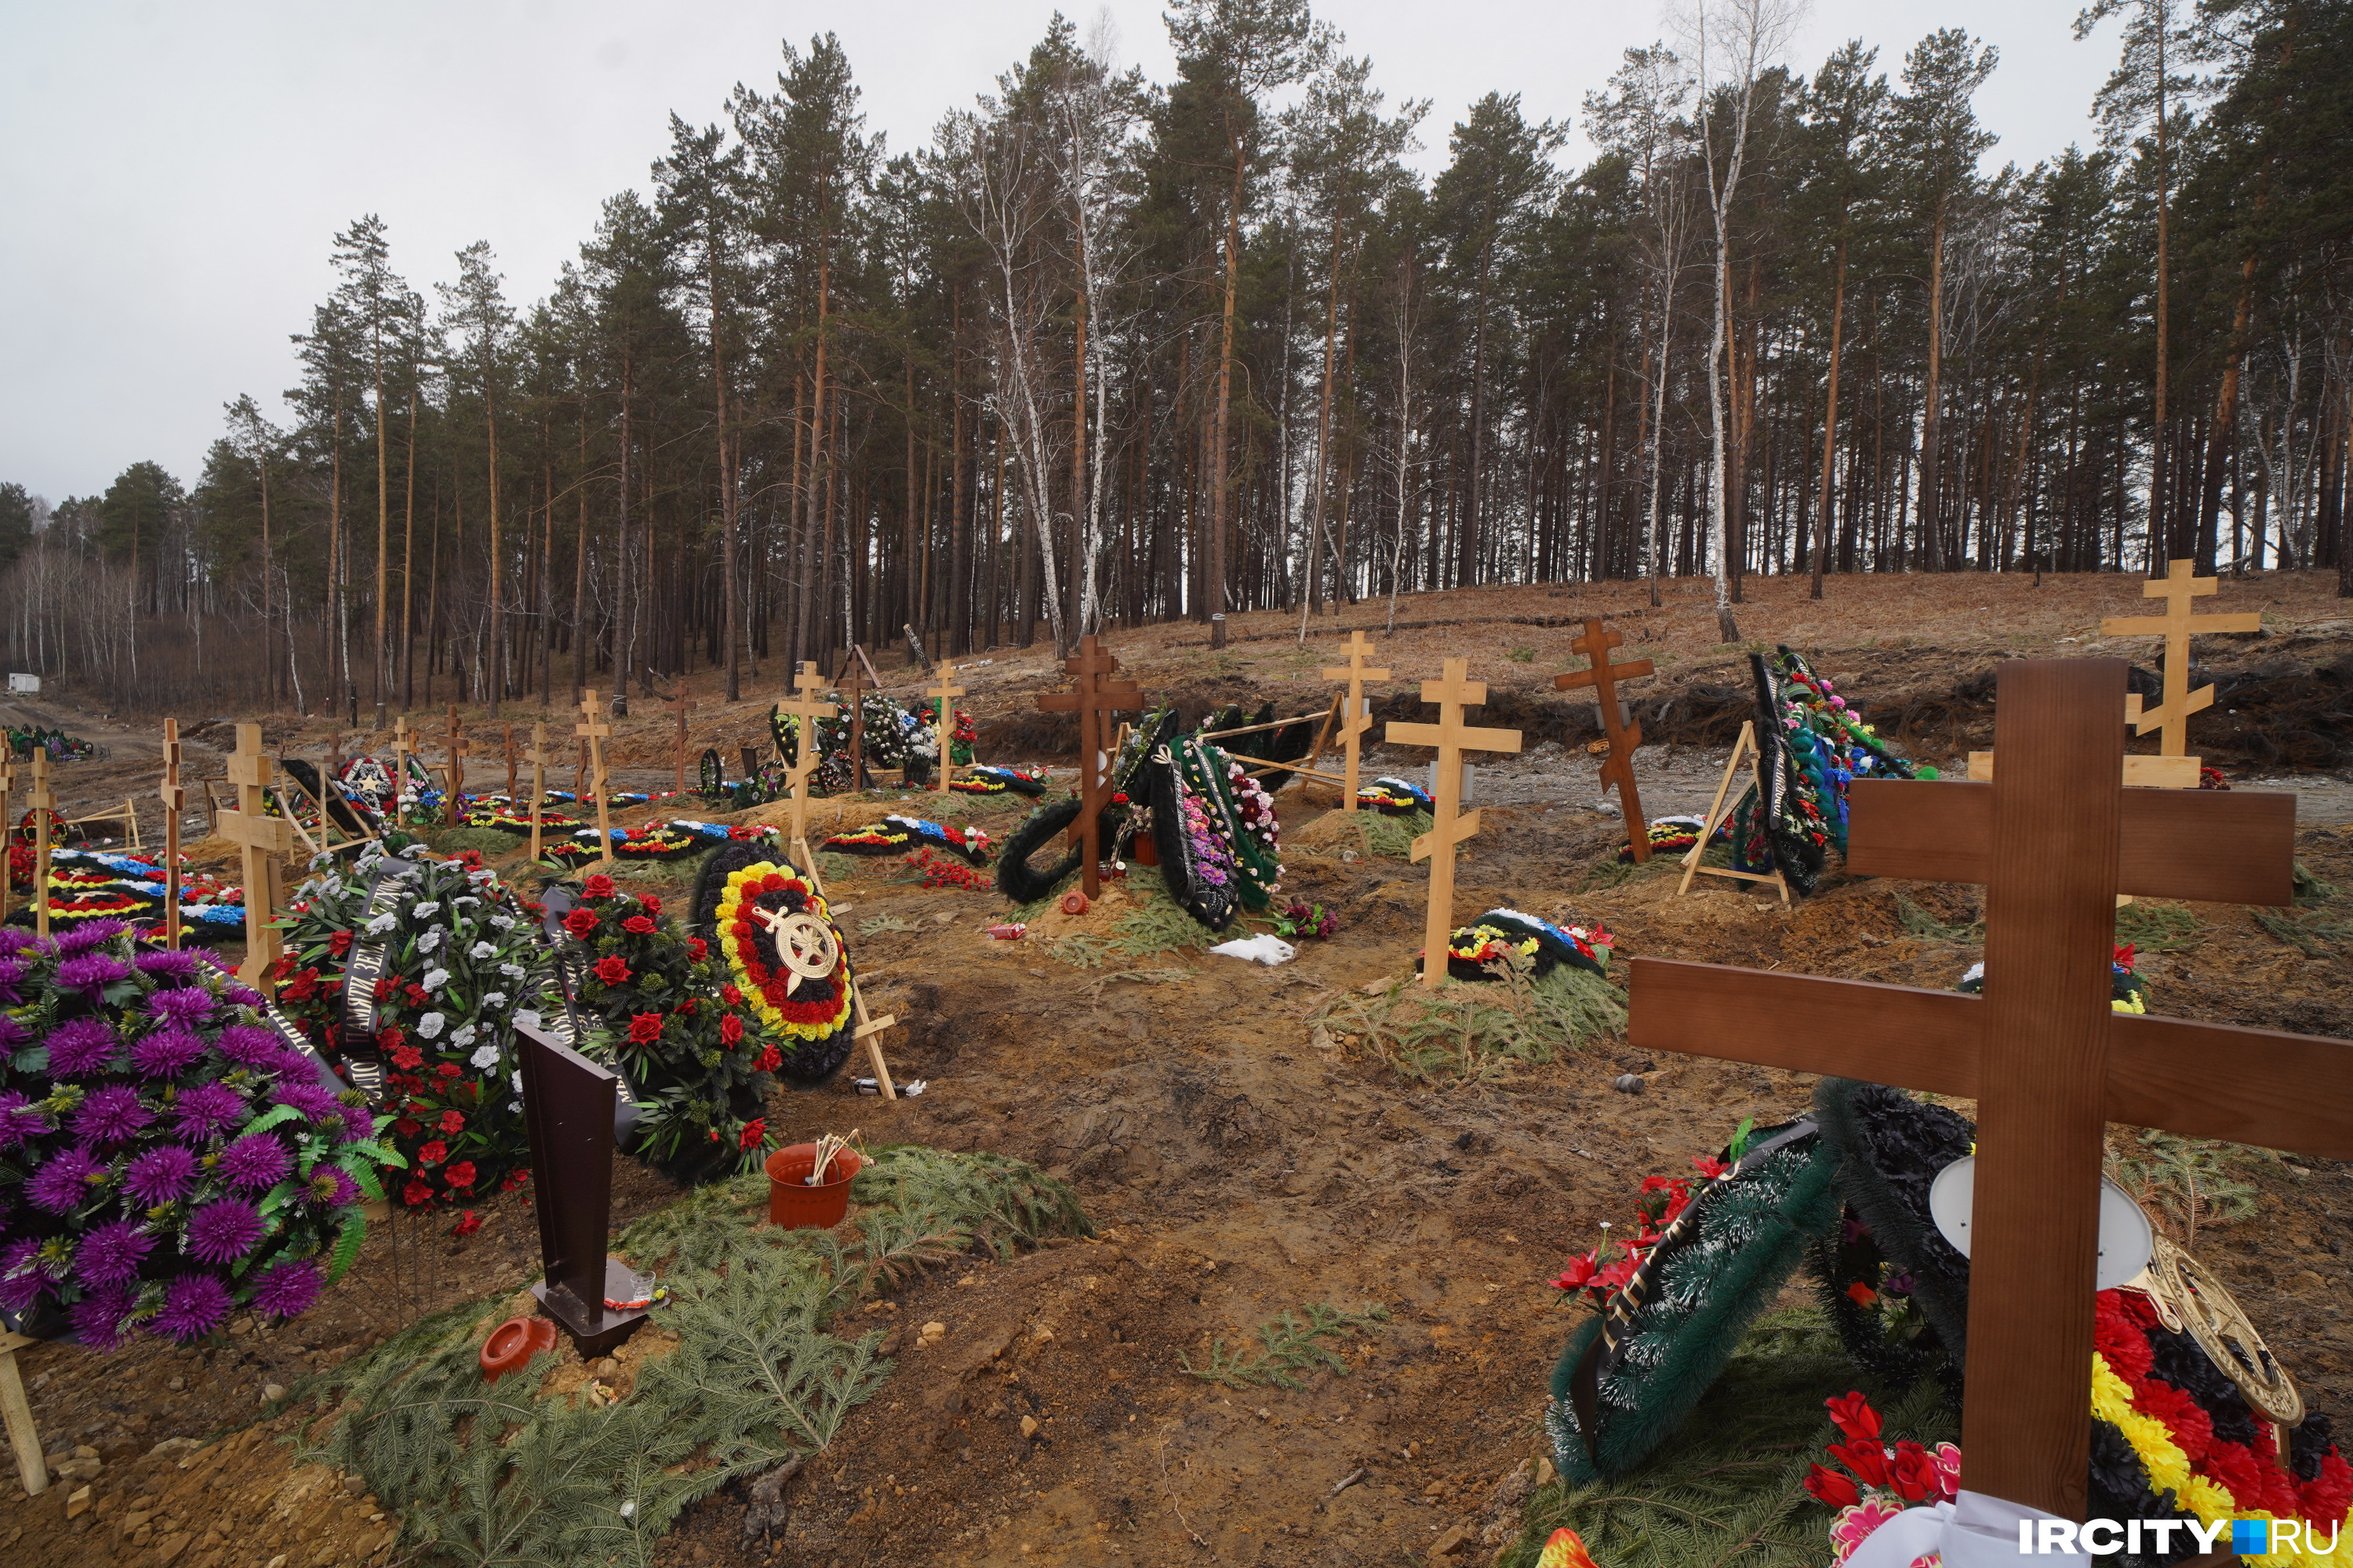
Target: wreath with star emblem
(779,946)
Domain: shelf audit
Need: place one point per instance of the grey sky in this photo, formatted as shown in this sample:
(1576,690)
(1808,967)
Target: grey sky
(171,174)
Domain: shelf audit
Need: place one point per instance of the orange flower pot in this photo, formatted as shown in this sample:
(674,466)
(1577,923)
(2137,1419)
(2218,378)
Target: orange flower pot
(1147,850)
(512,1344)
(793,1203)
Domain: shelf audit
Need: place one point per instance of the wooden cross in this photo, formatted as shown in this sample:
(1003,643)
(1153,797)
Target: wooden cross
(43,803)
(454,774)
(679,705)
(175,800)
(1621,738)
(854,688)
(1090,699)
(945,692)
(806,711)
(593,732)
(511,767)
(537,758)
(1356,671)
(2176,588)
(1452,737)
(263,840)
(2053,838)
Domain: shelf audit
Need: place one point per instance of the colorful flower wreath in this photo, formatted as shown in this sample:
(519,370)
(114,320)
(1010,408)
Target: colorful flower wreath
(1394,796)
(166,1155)
(810,1015)
(988,779)
(894,833)
(1675,835)
(1501,938)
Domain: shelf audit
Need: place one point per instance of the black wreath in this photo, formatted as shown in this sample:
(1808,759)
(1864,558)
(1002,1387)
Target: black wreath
(712,773)
(1016,878)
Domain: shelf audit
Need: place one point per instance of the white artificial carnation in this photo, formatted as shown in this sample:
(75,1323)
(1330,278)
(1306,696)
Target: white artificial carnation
(429,1027)
(503,922)
(462,1036)
(495,999)
(429,941)
(463,899)
(429,909)
(518,1080)
(382,924)
(436,978)
(485,1059)
(512,971)
(481,950)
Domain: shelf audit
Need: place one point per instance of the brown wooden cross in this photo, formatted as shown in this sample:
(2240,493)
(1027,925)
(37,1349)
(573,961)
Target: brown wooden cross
(1620,737)
(263,840)
(2176,588)
(42,803)
(679,706)
(537,758)
(175,800)
(1452,737)
(1091,698)
(2053,838)
(806,711)
(453,774)
(854,688)
(946,694)
(592,731)
(1353,728)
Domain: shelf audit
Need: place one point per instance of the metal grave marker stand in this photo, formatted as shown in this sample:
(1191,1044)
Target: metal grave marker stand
(568,1105)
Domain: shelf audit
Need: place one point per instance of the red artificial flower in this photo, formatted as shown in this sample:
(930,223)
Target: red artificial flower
(284,966)
(2124,956)
(466,1226)
(689,1007)
(409,1127)
(755,1132)
(696,948)
(580,922)
(339,942)
(433,1153)
(416,994)
(613,969)
(407,1057)
(645,1028)
(453,1121)
(731,1030)
(303,986)
(1866,1458)
(1709,1165)
(599,886)
(1852,1414)
(460,1176)
(514,1179)
(1830,1487)
(385,987)
(1916,1479)
(1577,1276)
(648,903)
(770,1059)
(415,1192)
(390,1036)
(445,1070)
(731,995)
(1861,1295)
(638,926)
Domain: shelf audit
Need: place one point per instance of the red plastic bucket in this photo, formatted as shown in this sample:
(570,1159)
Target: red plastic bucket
(512,1344)
(793,1203)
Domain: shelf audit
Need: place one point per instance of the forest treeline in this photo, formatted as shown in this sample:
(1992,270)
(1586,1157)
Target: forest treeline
(1108,351)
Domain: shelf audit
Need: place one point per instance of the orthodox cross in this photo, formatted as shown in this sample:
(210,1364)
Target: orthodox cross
(1452,737)
(1619,736)
(262,840)
(43,803)
(1356,671)
(175,800)
(679,705)
(8,824)
(855,688)
(537,758)
(805,711)
(401,749)
(2053,838)
(1091,698)
(593,732)
(454,774)
(2176,588)
(511,767)
(945,692)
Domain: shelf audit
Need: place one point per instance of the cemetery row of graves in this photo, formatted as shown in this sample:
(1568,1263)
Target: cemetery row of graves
(423,999)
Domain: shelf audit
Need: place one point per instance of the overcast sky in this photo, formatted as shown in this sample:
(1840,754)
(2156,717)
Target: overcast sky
(172,174)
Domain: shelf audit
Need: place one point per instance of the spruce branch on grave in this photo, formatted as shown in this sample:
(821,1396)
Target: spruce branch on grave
(1288,1348)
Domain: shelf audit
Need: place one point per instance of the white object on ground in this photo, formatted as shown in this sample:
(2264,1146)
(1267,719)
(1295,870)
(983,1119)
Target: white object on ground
(1264,948)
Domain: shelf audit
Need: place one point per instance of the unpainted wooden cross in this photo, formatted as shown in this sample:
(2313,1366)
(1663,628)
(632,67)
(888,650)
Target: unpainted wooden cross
(263,840)
(1452,737)
(42,803)
(806,710)
(175,800)
(2176,588)
(537,758)
(945,693)
(1090,698)
(679,706)
(594,731)
(1360,720)
(1620,737)
(454,774)
(2053,839)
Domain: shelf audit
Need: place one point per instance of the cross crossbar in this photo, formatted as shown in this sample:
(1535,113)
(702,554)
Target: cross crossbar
(1619,736)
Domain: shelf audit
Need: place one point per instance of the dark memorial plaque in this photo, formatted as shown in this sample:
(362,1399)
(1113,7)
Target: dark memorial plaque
(568,1105)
